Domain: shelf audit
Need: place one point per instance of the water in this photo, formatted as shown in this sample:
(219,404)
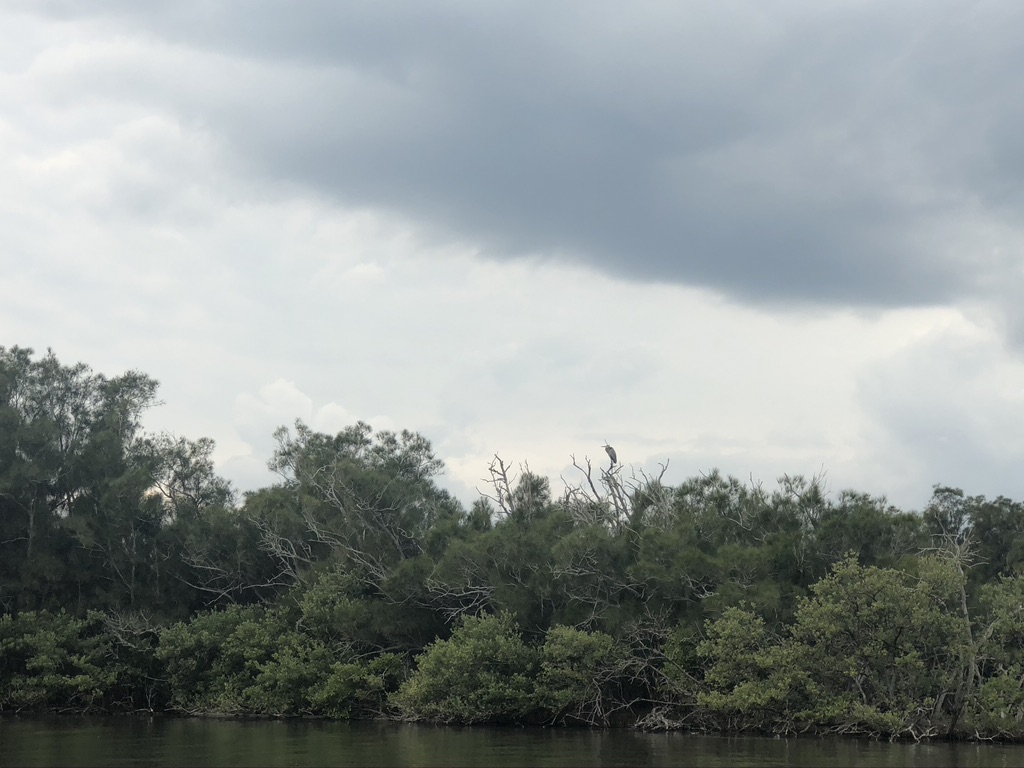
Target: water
(84,741)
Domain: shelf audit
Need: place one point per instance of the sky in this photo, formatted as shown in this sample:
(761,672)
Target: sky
(767,238)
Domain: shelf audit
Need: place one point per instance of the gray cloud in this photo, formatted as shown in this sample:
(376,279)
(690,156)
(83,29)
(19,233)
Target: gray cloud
(227,195)
(802,153)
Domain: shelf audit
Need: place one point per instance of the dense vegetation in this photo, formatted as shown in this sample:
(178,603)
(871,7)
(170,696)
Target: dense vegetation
(133,579)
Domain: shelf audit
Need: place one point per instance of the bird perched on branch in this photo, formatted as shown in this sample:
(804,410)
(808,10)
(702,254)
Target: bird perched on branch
(611,453)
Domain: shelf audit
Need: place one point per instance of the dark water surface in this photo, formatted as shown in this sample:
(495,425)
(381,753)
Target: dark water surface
(86,741)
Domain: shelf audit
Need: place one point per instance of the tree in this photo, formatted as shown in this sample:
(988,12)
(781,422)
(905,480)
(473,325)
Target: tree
(68,478)
(369,500)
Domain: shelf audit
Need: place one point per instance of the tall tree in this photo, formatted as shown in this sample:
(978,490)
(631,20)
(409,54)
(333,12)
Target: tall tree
(65,459)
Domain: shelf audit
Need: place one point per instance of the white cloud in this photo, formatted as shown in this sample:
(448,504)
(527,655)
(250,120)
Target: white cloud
(243,456)
(948,409)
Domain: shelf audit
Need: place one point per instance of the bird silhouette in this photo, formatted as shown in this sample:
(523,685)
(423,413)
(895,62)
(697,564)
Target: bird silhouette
(611,453)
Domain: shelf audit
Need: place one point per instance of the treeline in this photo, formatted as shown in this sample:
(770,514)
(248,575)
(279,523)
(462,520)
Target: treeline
(133,579)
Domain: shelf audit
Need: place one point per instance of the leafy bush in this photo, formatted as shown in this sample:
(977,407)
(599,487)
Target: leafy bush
(873,651)
(53,661)
(250,661)
(212,660)
(752,678)
(582,676)
(484,673)
(358,689)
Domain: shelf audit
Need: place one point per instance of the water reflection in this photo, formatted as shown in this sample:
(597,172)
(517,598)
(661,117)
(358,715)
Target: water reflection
(158,742)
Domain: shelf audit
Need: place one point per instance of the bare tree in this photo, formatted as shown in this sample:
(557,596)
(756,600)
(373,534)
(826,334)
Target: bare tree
(502,481)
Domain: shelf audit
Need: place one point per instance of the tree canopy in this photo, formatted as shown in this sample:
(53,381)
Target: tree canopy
(133,577)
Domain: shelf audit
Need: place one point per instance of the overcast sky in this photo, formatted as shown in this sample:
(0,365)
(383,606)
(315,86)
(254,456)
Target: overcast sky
(767,237)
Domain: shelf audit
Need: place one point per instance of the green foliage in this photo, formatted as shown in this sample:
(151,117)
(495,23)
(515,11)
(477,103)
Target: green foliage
(876,532)
(734,649)
(204,658)
(683,666)
(88,503)
(590,578)
(239,660)
(250,660)
(133,579)
(887,640)
(484,673)
(509,567)
(53,661)
(358,688)
(1002,644)
(581,676)
(754,680)
(994,528)
(281,684)
(335,613)
(873,651)
(998,707)
(70,485)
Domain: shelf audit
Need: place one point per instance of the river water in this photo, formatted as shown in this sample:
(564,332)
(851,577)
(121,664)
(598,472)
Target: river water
(164,741)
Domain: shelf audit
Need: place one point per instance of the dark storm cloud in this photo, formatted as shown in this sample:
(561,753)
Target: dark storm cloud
(786,152)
